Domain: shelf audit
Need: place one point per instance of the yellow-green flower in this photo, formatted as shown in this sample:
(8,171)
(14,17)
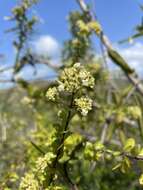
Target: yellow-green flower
(134,112)
(28,182)
(74,78)
(84,105)
(52,94)
(43,162)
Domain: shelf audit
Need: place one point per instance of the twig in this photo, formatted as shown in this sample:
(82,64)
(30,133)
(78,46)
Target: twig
(6,69)
(55,67)
(104,132)
(37,147)
(133,157)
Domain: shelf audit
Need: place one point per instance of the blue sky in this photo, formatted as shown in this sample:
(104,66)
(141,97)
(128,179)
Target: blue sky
(118,18)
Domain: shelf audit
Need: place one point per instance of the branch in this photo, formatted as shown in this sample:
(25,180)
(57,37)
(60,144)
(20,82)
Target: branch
(83,6)
(6,69)
(113,55)
(37,147)
(134,157)
(104,133)
(46,61)
(6,81)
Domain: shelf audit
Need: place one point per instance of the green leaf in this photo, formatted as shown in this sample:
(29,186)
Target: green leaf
(116,153)
(129,145)
(116,57)
(98,146)
(141,152)
(141,179)
(125,165)
(116,167)
(89,151)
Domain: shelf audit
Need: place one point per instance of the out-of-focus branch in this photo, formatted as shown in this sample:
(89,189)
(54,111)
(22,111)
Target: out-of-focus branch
(114,55)
(83,6)
(133,157)
(92,138)
(6,69)
(47,62)
(108,120)
(7,81)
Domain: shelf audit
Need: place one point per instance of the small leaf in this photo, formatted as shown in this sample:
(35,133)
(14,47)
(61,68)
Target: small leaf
(98,146)
(116,153)
(141,152)
(116,167)
(129,145)
(125,165)
(141,179)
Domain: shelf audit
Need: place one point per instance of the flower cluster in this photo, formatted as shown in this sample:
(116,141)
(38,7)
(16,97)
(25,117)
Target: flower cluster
(74,78)
(83,27)
(29,182)
(86,78)
(27,101)
(52,93)
(84,105)
(43,162)
(95,26)
(86,28)
(134,112)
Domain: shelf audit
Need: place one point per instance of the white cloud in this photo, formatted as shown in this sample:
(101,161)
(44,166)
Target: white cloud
(134,56)
(44,45)
(47,45)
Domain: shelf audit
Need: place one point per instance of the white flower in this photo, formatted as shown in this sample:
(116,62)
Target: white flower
(28,182)
(86,78)
(43,162)
(77,65)
(84,105)
(52,93)
(26,100)
(61,87)
(84,112)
